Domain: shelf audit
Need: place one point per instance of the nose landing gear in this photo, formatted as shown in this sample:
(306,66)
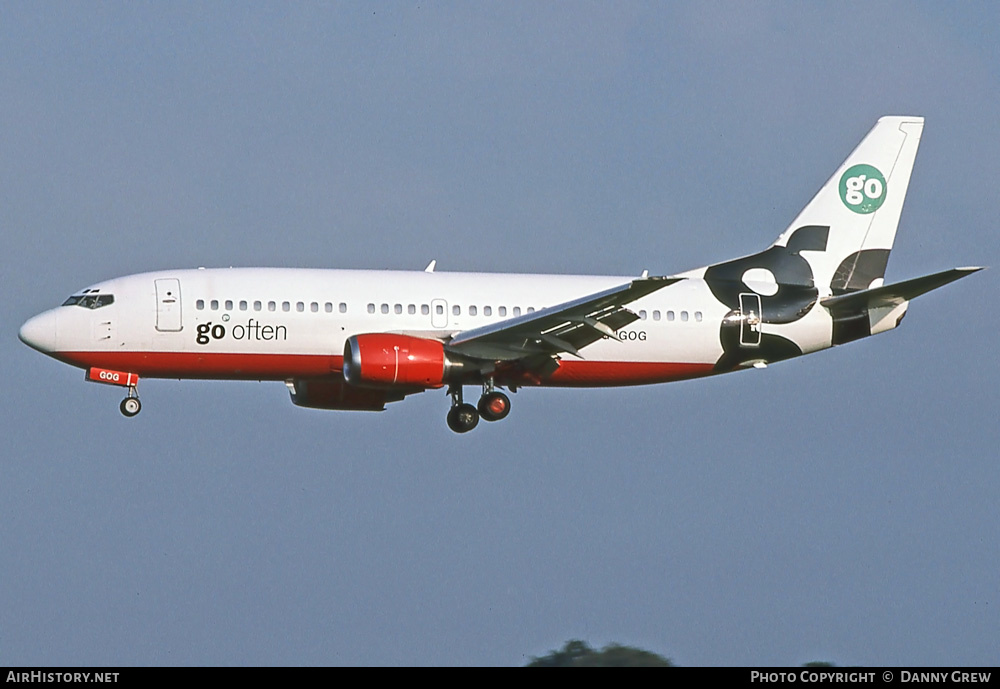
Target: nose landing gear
(131,405)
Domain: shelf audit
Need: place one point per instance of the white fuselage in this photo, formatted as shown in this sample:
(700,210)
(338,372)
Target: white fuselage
(279,323)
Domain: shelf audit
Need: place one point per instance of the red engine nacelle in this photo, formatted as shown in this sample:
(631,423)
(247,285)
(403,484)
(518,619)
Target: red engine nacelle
(386,359)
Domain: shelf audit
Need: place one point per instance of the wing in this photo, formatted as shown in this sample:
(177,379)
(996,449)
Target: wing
(535,338)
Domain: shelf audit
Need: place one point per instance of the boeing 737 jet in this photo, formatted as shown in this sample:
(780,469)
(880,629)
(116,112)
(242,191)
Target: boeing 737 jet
(359,339)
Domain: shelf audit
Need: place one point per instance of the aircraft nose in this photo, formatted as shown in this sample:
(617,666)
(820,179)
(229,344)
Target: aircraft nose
(40,332)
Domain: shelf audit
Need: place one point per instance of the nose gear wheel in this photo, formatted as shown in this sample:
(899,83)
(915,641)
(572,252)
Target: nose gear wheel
(131,405)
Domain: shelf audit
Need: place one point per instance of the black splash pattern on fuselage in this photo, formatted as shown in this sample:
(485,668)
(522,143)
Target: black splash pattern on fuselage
(771,348)
(859,270)
(794,296)
(856,272)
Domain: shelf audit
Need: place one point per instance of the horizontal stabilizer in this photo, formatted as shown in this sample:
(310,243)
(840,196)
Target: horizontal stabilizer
(896,293)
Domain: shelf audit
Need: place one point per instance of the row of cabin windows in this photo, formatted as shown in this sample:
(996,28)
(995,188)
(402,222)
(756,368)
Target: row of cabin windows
(456,310)
(314,307)
(671,316)
(244,305)
(411,309)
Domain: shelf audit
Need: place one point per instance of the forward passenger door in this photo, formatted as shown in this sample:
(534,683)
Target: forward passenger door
(168,305)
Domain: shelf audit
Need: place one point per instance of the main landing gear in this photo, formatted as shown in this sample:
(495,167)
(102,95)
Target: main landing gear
(131,405)
(463,417)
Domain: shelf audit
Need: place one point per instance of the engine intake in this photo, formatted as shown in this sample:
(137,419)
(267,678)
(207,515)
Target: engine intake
(386,359)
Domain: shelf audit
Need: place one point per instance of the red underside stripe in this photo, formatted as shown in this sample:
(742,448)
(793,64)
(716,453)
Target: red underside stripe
(610,373)
(211,365)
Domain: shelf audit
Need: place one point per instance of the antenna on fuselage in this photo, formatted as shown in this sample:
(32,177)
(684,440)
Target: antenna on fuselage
(430,266)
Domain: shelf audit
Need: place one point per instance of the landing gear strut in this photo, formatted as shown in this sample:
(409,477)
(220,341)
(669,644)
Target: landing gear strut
(131,405)
(462,417)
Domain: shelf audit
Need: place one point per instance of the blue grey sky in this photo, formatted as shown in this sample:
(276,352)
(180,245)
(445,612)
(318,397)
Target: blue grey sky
(839,507)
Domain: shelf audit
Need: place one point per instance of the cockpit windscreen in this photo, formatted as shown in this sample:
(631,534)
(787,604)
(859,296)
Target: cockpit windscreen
(90,301)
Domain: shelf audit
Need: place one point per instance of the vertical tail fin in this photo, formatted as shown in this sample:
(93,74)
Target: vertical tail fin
(858,210)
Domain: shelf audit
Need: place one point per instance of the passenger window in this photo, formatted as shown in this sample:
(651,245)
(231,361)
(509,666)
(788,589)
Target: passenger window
(300,307)
(343,307)
(517,310)
(229,304)
(642,314)
(697,316)
(243,304)
(411,309)
(385,308)
(656,315)
(256,306)
(472,310)
(371,308)
(439,309)
(502,310)
(200,304)
(328,307)
(271,306)
(670,315)
(487,310)
(398,308)
(531,309)
(425,309)
(456,310)
(215,304)
(684,316)
(286,306)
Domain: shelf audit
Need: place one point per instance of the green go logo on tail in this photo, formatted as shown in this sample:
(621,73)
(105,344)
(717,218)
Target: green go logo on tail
(862,189)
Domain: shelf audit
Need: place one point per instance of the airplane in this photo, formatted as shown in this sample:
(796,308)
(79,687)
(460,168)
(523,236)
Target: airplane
(360,339)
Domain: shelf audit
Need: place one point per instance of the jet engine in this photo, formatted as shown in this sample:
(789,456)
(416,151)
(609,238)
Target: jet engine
(385,359)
